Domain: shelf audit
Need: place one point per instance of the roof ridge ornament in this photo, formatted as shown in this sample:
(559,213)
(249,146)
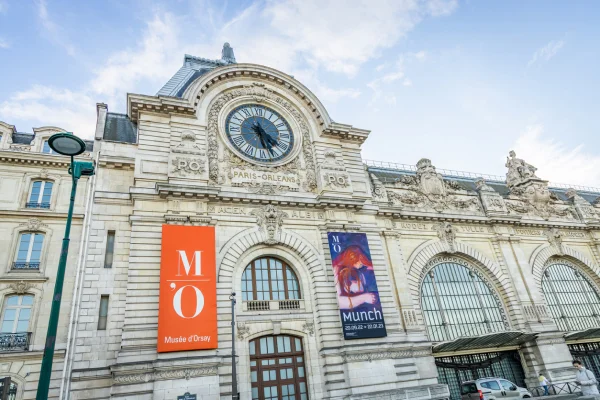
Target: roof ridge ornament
(227,54)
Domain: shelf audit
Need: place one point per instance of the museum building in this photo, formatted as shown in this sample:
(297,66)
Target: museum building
(353,279)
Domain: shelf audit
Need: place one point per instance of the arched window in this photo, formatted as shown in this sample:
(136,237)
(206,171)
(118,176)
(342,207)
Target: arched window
(277,369)
(573,301)
(40,195)
(12,388)
(268,278)
(29,250)
(456,302)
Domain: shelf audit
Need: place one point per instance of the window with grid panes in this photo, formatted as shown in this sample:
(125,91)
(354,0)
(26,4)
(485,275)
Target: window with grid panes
(572,299)
(457,302)
(269,278)
(277,368)
(16,314)
(41,193)
(29,251)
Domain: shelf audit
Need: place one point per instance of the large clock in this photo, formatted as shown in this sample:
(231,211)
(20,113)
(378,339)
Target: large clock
(259,133)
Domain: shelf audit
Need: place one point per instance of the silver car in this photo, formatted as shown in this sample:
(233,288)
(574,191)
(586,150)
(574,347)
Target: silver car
(492,389)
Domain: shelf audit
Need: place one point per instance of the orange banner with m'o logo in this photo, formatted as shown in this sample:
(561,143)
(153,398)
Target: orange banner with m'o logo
(187,306)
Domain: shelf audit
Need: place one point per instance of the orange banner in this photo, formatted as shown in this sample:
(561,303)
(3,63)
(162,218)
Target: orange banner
(187,307)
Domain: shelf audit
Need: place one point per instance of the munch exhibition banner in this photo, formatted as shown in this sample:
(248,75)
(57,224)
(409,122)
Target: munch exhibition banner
(187,306)
(358,297)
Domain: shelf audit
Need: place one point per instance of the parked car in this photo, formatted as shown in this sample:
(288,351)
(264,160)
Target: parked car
(492,389)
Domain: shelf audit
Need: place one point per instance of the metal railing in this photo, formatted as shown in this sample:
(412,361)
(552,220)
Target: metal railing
(14,341)
(473,175)
(273,305)
(556,388)
(35,204)
(26,265)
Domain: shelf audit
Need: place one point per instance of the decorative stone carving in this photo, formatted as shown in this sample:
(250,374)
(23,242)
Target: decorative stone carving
(269,218)
(158,375)
(447,234)
(428,189)
(20,287)
(482,186)
(534,198)
(44,173)
(518,170)
(555,238)
(309,327)
(378,189)
(333,175)
(184,165)
(258,91)
(34,224)
(584,209)
(383,355)
(493,203)
(188,144)
(242,330)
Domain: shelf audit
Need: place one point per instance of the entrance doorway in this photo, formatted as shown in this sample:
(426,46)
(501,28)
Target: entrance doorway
(454,370)
(589,354)
(277,370)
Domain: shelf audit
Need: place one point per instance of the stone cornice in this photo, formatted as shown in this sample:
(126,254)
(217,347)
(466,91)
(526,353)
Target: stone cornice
(163,373)
(346,132)
(126,163)
(41,159)
(157,105)
(36,213)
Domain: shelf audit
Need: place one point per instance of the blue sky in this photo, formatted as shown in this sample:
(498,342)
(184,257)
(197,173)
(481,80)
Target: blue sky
(459,82)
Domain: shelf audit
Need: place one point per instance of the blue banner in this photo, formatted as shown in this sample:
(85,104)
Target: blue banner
(356,286)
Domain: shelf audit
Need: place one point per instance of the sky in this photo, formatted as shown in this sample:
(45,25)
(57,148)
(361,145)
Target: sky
(458,82)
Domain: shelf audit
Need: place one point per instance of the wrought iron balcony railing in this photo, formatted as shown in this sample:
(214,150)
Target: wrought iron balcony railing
(33,204)
(14,341)
(21,265)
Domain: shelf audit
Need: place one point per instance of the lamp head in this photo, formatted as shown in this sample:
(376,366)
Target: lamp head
(67,144)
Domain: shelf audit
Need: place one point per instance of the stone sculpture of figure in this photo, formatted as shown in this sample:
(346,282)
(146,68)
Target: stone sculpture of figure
(227,54)
(518,170)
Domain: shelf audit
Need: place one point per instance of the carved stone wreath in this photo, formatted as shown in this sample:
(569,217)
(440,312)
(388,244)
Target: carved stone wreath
(258,94)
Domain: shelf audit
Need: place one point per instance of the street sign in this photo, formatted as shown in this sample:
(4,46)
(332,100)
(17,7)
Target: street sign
(187,396)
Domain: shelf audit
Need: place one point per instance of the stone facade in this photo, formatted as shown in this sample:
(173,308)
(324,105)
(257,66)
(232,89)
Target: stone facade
(22,163)
(180,169)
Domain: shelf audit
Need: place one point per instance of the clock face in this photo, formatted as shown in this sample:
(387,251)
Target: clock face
(259,133)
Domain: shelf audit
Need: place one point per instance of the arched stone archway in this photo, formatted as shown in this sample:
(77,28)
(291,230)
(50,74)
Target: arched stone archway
(540,257)
(424,258)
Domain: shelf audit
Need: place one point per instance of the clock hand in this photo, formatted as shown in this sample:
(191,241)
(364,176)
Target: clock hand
(266,139)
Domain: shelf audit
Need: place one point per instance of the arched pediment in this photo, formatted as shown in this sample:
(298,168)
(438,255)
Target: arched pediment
(258,73)
(540,257)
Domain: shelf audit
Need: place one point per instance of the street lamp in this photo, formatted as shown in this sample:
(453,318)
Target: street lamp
(234,391)
(68,145)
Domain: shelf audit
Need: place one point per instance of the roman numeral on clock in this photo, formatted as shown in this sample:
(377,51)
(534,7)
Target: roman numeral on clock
(238,140)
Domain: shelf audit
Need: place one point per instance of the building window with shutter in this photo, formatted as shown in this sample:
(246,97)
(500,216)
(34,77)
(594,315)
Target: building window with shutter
(41,193)
(103,313)
(110,249)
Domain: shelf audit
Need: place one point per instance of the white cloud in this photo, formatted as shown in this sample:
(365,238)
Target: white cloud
(380,84)
(300,37)
(53,31)
(45,105)
(556,161)
(546,52)
(4,43)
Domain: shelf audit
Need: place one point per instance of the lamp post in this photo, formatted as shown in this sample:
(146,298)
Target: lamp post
(234,391)
(68,145)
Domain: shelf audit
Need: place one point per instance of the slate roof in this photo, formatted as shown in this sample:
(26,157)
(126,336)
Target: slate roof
(194,67)
(119,128)
(390,175)
(27,138)
(22,138)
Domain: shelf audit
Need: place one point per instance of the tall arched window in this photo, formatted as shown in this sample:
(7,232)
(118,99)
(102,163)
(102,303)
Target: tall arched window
(29,250)
(268,278)
(277,369)
(457,302)
(573,301)
(40,195)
